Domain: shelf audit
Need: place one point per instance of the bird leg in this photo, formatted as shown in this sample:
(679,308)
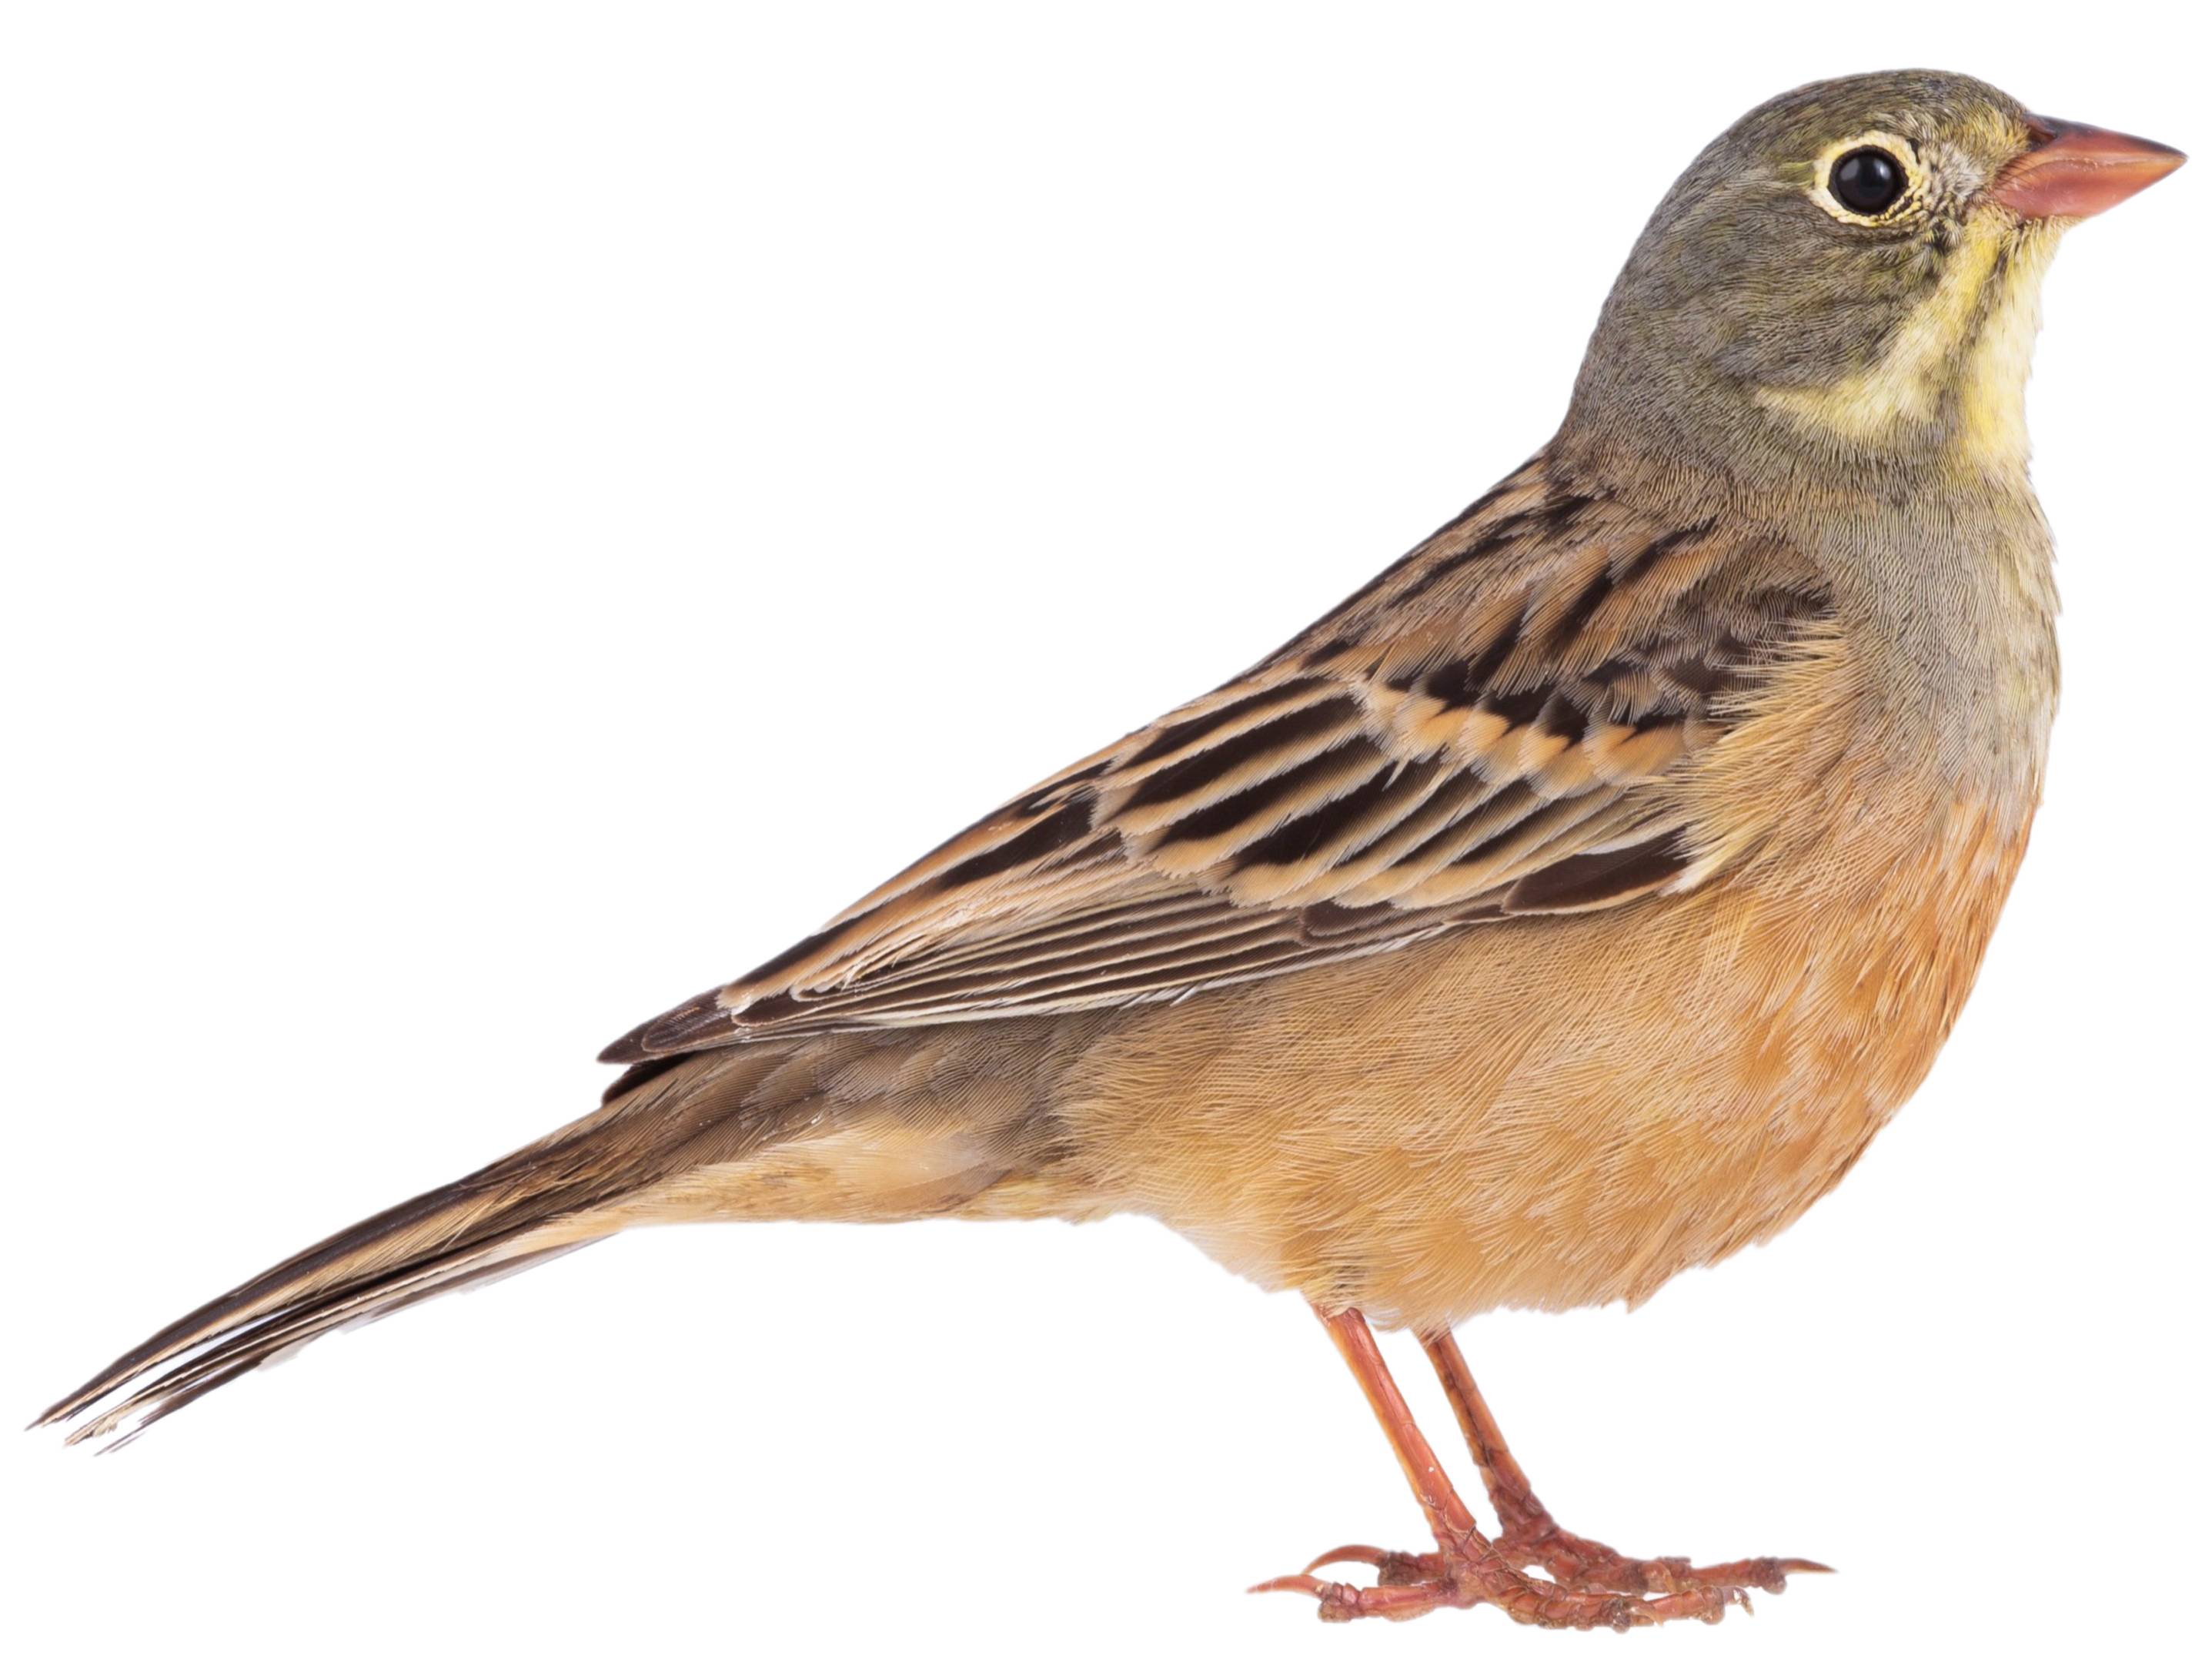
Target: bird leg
(1466,1569)
(1528,1537)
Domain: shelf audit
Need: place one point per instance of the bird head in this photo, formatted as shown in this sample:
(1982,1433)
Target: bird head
(1847,277)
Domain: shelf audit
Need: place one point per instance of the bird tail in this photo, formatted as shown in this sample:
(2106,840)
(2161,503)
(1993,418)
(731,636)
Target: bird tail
(547,1199)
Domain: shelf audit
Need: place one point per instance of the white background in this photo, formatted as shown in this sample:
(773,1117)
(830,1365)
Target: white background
(511,515)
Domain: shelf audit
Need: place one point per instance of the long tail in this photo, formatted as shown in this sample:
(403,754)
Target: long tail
(550,1197)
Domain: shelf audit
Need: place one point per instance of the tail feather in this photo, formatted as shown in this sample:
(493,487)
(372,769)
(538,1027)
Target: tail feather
(258,1343)
(550,1197)
(249,1301)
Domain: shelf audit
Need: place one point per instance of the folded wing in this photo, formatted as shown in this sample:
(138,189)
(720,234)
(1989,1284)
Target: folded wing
(1497,726)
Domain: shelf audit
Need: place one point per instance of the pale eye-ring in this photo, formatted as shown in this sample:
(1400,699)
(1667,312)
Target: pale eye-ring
(1867,180)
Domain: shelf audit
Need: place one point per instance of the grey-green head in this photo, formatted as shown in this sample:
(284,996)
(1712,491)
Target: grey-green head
(1849,273)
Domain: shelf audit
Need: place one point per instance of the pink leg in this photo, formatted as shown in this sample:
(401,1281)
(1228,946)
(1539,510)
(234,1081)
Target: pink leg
(1466,1569)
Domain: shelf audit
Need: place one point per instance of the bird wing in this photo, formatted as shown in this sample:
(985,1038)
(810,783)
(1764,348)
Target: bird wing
(1497,727)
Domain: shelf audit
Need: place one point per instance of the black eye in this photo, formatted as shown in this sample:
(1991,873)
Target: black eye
(1867,180)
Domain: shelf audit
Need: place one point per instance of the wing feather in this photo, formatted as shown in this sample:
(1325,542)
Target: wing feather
(1499,726)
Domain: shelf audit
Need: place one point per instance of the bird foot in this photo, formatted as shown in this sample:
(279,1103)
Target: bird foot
(1583,1564)
(1587,1586)
(1471,1571)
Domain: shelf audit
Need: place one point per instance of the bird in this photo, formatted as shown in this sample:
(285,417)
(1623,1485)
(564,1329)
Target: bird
(1566,908)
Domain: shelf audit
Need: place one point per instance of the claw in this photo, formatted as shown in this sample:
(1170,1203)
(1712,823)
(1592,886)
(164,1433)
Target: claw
(1366,1555)
(1768,1573)
(1391,1566)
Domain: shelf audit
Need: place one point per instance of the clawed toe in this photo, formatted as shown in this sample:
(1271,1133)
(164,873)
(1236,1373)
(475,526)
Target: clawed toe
(1765,1572)
(1583,1564)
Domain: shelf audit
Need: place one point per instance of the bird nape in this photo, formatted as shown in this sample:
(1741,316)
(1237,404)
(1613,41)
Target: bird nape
(1568,908)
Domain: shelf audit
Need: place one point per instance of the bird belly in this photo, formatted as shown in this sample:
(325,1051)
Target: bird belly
(1561,1114)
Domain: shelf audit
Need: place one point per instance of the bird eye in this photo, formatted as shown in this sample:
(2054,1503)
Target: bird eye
(1867,181)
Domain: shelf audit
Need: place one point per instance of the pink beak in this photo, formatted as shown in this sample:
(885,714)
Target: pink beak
(2075,170)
